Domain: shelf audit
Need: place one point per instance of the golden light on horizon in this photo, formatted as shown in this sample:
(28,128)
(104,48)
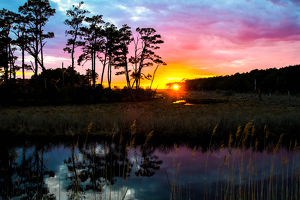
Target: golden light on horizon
(26,73)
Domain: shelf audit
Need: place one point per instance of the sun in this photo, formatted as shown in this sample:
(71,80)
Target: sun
(175,87)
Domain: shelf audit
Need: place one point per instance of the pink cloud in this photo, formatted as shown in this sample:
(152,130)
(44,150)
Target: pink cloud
(219,36)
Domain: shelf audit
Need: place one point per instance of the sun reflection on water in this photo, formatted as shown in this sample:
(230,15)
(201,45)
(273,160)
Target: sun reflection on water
(180,101)
(183,102)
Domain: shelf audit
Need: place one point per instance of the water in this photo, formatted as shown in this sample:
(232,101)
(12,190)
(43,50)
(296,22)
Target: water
(190,102)
(103,170)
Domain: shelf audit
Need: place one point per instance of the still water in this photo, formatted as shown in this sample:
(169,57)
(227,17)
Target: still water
(112,170)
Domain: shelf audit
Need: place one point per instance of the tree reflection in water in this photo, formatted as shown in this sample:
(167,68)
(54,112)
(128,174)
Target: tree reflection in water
(149,162)
(41,169)
(91,166)
(98,166)
(23,171)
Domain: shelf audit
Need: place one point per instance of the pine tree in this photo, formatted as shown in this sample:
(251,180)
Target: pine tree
(36,13)
(77,16)
(144,54)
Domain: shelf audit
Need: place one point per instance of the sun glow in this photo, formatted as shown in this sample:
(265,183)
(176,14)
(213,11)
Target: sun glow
(175,87)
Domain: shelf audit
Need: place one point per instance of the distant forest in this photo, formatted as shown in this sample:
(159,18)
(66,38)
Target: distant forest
(284,80)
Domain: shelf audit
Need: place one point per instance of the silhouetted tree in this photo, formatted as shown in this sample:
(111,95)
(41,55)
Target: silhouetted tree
(267,81)
(93,39)
(77,16)
(125,38)
(159,62)
(56,75)
(101,168)
(23,178)
(110,41)
(7,58)
(88,77)
(149,164)
(21,40)
(146,56)
(37,13)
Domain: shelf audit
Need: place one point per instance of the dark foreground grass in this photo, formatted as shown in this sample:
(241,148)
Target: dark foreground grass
(166,119)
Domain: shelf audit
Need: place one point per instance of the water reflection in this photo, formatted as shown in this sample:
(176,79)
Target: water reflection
(102,169)
(198,101)
(183,102)
(179,101)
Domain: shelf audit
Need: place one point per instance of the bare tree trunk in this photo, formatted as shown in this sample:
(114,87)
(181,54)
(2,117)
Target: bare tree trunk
(153,76)
(6,64)
(135,63)
(41,49)
(63,75)
(138,78)
(126,70)
(72,56)
(133,83)
(104,64)
(109,72)
(36,52)
(72,73)
(10,63)
(23,62)
(93,69)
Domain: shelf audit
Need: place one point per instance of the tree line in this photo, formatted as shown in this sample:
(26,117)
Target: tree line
(284,80)
(100,43)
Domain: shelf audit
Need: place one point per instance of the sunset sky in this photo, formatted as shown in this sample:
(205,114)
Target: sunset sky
(201,37)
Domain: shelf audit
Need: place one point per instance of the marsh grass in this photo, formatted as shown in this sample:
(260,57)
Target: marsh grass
(241,176)
(161,116)
(195,124)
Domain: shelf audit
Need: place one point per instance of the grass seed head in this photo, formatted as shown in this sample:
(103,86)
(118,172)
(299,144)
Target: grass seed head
(247,127)
(121,139)
(89,127)
(148,137)
(133,128)
(277,145)
(267,131)
(215,129)
(253,130)
(295,145)
(238,131)
(222,145)
(132,143)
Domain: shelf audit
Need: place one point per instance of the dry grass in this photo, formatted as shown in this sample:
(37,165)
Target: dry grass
(160,116)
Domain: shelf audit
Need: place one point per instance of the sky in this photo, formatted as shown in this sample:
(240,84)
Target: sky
(202,38)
